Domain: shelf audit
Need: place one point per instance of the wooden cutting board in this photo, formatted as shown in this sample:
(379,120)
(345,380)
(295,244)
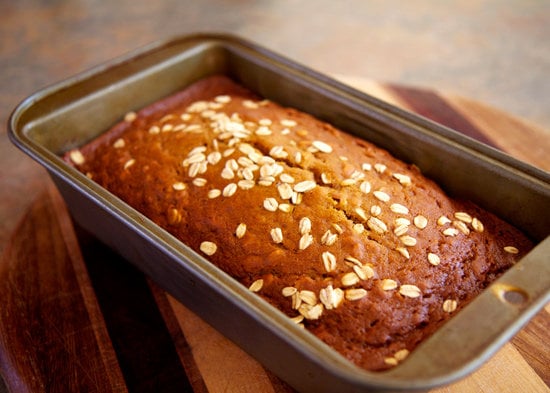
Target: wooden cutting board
(76,317)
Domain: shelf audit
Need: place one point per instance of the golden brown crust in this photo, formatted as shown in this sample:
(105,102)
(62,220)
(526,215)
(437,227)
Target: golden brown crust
(358,246)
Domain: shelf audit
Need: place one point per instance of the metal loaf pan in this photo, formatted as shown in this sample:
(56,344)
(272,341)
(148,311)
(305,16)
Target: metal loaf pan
(76,110)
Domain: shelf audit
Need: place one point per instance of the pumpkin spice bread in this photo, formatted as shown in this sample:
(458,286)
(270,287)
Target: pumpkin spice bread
(358,247)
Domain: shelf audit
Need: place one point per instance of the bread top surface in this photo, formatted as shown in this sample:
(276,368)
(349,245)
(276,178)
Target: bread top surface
(357,246)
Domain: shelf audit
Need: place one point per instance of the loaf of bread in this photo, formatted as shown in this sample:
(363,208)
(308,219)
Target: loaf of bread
(349,242)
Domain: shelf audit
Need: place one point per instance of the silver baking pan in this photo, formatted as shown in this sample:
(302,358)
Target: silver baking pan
(74,111)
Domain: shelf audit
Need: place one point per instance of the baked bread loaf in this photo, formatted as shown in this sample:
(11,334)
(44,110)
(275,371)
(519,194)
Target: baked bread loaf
(358,247)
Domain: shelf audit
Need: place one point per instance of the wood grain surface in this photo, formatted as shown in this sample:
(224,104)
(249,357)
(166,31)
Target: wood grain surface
(77,317)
